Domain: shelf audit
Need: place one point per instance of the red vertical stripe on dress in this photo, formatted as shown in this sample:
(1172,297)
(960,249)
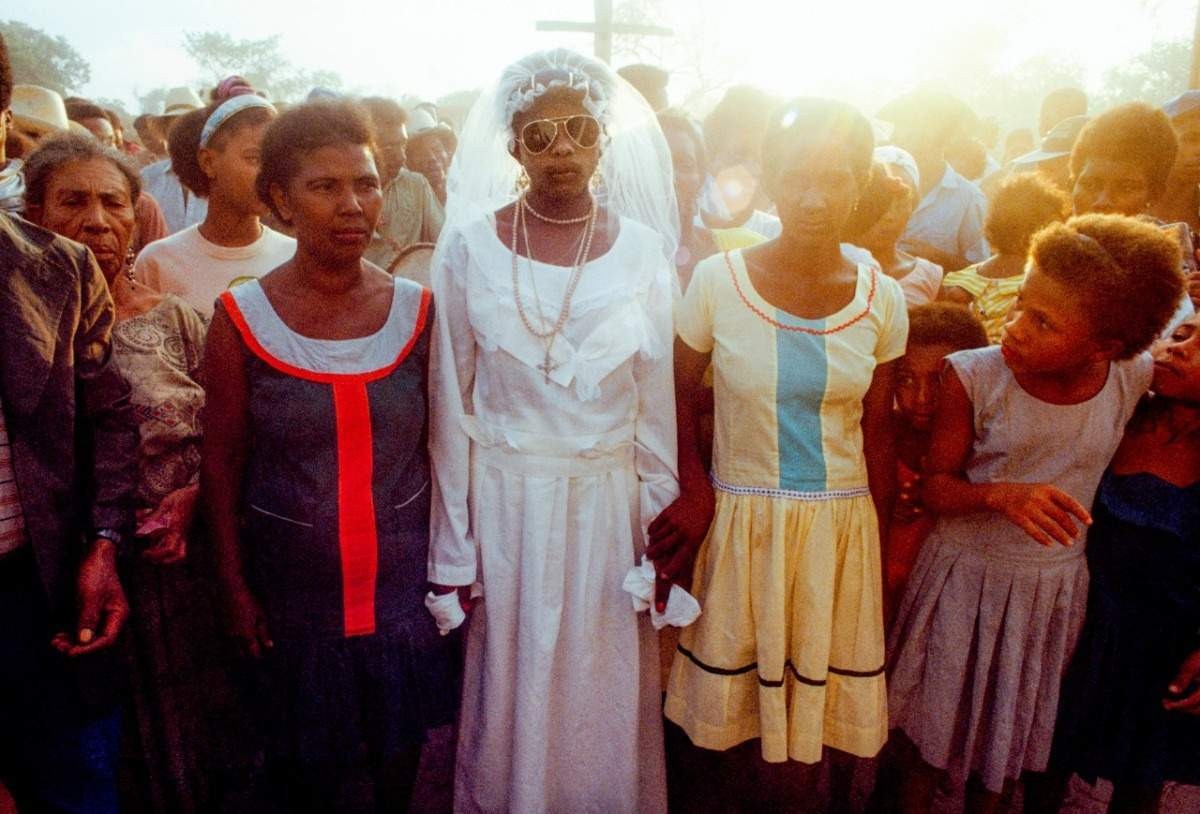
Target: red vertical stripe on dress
(356,507)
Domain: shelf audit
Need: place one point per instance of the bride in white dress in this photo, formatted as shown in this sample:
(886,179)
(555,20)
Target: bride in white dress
(553,435)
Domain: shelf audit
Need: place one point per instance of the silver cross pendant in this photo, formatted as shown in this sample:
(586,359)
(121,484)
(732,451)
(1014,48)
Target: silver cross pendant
(547,367)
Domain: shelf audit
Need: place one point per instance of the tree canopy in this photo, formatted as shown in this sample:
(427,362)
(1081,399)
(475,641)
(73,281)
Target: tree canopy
(259,61)
(40,59)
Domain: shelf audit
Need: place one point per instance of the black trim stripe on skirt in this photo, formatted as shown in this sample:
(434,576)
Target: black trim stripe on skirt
(753,666)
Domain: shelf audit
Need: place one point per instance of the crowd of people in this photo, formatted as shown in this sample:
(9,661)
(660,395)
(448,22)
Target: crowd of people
(843,460)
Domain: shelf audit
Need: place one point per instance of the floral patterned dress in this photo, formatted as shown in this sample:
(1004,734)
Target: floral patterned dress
(183,738)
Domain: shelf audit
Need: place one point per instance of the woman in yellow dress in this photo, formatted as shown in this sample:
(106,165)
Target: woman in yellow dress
(802,340)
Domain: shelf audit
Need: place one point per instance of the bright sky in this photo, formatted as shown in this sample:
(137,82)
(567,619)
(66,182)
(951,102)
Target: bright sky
(398,47)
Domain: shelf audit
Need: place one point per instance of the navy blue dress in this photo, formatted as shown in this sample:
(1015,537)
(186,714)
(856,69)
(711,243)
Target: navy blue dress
(1143,620)
(335,531)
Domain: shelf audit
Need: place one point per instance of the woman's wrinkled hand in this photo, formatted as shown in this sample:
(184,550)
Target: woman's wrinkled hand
(247,624)
(167,526)
(1183,694)
(103,608)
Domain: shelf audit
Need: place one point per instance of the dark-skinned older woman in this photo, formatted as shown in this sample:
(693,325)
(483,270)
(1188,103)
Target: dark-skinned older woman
(316,478)
(554,435)
(85,191)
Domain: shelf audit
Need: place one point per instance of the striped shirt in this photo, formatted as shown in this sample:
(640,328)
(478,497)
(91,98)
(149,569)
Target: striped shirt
(12,519)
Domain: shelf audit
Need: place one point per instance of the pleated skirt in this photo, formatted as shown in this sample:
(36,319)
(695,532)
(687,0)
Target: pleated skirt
(790,646)
(978,651)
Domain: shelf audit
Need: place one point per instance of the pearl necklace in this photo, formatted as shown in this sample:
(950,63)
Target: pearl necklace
(564,312)
(547,219)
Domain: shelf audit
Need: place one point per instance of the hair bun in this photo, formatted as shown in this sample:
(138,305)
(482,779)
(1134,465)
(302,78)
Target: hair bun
(230,87)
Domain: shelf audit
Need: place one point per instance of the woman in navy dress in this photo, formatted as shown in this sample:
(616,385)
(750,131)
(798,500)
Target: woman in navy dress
(1130,710)
(317,478)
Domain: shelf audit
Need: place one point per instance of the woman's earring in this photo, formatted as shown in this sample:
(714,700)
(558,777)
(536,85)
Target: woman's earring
(130,256)
(522,181)
(597,180)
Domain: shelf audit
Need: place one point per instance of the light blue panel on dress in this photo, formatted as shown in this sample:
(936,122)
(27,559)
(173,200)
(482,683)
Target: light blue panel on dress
(799,391)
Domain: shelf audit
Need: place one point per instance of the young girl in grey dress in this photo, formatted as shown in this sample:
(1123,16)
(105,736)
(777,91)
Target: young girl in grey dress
(1023,433)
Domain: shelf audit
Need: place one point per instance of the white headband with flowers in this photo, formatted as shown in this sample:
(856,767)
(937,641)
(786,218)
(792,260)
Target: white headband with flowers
(522,97)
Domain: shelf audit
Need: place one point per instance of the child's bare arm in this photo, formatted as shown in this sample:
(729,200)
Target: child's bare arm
(1041,510)
(879,442)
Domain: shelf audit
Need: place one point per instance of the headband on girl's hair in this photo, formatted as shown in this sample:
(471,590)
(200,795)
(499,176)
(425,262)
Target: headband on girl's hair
(228,109)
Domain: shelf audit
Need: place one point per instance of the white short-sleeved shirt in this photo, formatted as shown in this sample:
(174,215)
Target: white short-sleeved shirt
(197,270)
(950,217)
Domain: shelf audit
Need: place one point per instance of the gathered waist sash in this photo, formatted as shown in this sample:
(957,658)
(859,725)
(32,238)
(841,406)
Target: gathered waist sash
(541,455)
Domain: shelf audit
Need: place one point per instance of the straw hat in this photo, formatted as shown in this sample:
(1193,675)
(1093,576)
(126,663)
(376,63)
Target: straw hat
(179,101)
(1185,103)
(421,122)
(1055,144)
(38,111)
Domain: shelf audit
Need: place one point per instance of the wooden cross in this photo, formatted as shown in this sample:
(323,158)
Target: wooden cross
(603,28)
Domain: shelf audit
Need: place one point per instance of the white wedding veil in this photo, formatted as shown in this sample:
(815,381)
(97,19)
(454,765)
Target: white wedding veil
(635,162)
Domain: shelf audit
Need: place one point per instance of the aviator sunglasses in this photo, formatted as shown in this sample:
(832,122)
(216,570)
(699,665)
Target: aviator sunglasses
(539,134)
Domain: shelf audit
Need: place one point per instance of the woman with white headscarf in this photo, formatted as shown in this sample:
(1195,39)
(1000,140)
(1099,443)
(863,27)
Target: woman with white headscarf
(879,220)
(553,435)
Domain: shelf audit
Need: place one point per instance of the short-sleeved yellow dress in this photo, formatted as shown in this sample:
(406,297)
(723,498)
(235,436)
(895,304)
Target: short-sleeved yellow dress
(790,645)
(991,297)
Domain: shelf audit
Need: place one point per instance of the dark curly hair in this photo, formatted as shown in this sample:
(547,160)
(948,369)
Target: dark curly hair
(18,145)
(833,120)
(1134,132)
(945,323)
(183,144)
(1125,272)
(54,152)
(301,130)
(1023,205)
(6,77)
(80,109)
(383,113)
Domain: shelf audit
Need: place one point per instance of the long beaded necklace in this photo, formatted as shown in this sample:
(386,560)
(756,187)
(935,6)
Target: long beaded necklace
(547,336)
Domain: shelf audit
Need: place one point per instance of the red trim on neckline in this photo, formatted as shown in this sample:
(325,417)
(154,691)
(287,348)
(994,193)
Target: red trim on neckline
(243,327)
(800,328)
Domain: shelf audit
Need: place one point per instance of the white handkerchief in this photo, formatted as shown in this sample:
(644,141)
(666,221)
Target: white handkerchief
(446,610)
(682,608)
